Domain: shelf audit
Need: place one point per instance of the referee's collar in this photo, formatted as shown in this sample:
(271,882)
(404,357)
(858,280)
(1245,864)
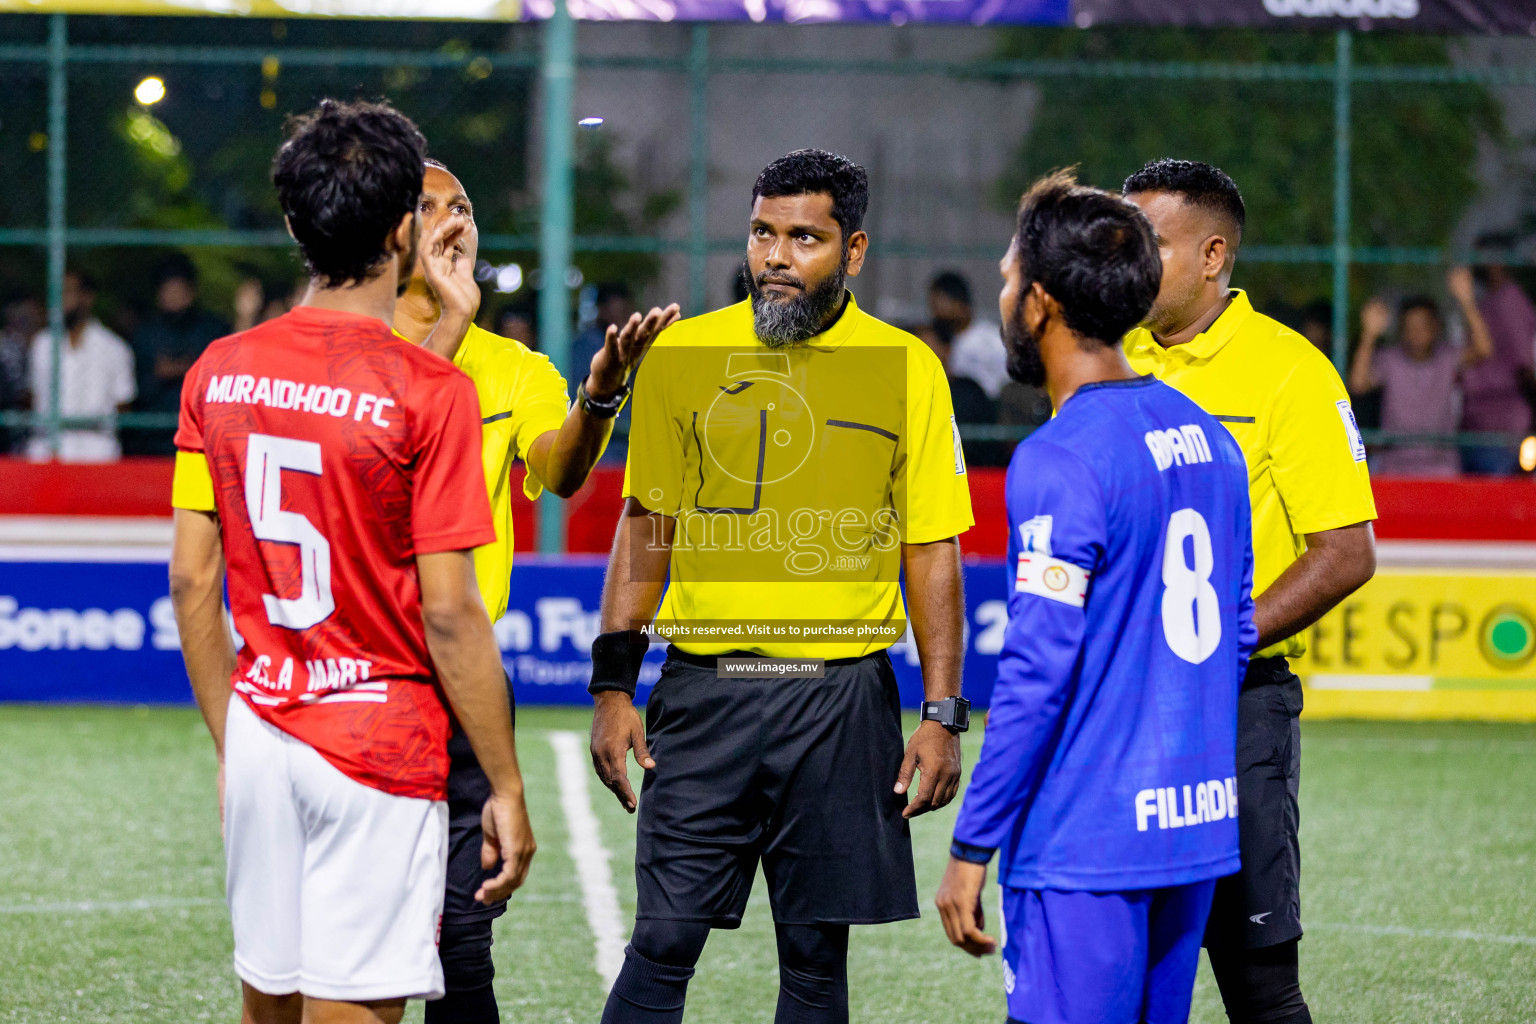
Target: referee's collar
(1208,342)
(840,330)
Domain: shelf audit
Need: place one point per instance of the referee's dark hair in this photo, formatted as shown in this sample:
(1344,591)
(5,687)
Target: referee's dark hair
(1092,251)
(809,171)
(1201,184)
(345,177)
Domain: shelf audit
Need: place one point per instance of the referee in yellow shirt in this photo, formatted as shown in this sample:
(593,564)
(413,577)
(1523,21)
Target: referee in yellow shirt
(524,413)
(1312,546)
(791,457)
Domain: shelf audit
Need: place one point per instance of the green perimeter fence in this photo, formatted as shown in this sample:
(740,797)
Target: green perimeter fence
(556,63)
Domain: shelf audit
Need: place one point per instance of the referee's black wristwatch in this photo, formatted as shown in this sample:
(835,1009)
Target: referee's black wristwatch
(605,409)
(953,713)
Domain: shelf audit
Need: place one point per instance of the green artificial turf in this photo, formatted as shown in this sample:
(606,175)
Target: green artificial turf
(1419,844)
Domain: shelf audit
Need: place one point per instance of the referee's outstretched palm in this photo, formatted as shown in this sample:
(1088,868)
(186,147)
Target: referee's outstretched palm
(624,346)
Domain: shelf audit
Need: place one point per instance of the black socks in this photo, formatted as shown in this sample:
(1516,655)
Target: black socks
(1261,986)
(647,992)
(813,974)
(465,950)
(659,962)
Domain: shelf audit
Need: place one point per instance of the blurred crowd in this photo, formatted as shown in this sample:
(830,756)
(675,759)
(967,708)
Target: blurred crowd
(1419,372)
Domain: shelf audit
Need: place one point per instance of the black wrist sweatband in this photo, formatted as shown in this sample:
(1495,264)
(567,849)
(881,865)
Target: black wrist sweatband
(616,659)
(970,854)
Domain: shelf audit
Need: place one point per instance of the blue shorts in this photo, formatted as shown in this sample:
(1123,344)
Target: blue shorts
(1103,957)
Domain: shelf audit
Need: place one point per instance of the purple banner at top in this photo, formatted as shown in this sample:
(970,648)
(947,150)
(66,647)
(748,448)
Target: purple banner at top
(1485,17)
(894,12)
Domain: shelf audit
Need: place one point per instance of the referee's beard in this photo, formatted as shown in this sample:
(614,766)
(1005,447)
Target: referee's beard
(783,322)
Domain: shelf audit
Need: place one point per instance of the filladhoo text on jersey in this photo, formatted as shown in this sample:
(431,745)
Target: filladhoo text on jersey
(1204,802)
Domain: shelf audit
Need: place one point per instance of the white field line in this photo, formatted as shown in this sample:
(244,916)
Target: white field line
(109,906)
(1459,935)
(593,870)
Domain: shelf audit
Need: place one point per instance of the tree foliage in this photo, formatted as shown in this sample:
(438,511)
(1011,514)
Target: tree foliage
(201,158)
(1414,148)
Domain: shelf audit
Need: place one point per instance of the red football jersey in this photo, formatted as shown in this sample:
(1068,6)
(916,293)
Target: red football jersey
(339,452)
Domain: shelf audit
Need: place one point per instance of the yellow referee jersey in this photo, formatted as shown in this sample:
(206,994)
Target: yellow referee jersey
(795,474)
(1284,403)
(522,396)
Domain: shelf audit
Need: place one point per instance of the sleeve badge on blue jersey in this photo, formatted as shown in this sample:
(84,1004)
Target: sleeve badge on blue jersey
(1052,578)
(1035,535)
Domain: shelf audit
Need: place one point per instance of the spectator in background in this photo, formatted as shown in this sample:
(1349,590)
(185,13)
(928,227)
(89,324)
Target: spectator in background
(1418,378)
(1316,325)
(277,305)
(972,405)
(23,317)
(975,346)
(520,321)
(166,346)
(615,303)
(1497,390)
(250,300)
(95,378)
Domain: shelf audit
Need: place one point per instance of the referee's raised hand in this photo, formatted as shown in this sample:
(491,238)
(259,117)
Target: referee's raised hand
(624,347)
(617,729)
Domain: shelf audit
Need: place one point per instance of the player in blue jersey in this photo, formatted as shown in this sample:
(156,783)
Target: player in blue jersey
(1107,776)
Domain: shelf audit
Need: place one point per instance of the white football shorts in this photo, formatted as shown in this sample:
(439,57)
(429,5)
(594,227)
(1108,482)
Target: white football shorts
(335,888)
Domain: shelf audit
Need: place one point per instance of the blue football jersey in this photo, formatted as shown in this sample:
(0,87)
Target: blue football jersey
(1110,750)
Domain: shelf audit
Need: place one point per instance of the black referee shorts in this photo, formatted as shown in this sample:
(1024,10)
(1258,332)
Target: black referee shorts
(1261,905)
(796,773)
(468,790)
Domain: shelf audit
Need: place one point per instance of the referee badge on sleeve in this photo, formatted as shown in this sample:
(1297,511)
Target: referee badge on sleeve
(1351,430)
(1052,578)
(954,431)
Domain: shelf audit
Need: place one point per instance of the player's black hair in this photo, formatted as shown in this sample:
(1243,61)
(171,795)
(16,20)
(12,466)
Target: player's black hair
(346,175)
(952,284)
(1092,251)
(434,162)
(1207,187)
(809,171)
(1424,302)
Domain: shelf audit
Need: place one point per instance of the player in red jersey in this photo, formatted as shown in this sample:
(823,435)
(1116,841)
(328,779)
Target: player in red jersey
(335,469)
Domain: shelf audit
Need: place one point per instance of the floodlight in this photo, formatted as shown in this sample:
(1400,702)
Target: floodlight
(150,91)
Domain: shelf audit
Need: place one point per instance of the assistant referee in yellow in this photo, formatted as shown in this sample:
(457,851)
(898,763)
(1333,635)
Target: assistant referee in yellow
(790,459)
(524,414)
(1312,546)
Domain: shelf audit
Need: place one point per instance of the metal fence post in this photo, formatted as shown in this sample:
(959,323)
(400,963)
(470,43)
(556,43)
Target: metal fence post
(698,171)
(58,124)
(558,73)
(1342,82)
